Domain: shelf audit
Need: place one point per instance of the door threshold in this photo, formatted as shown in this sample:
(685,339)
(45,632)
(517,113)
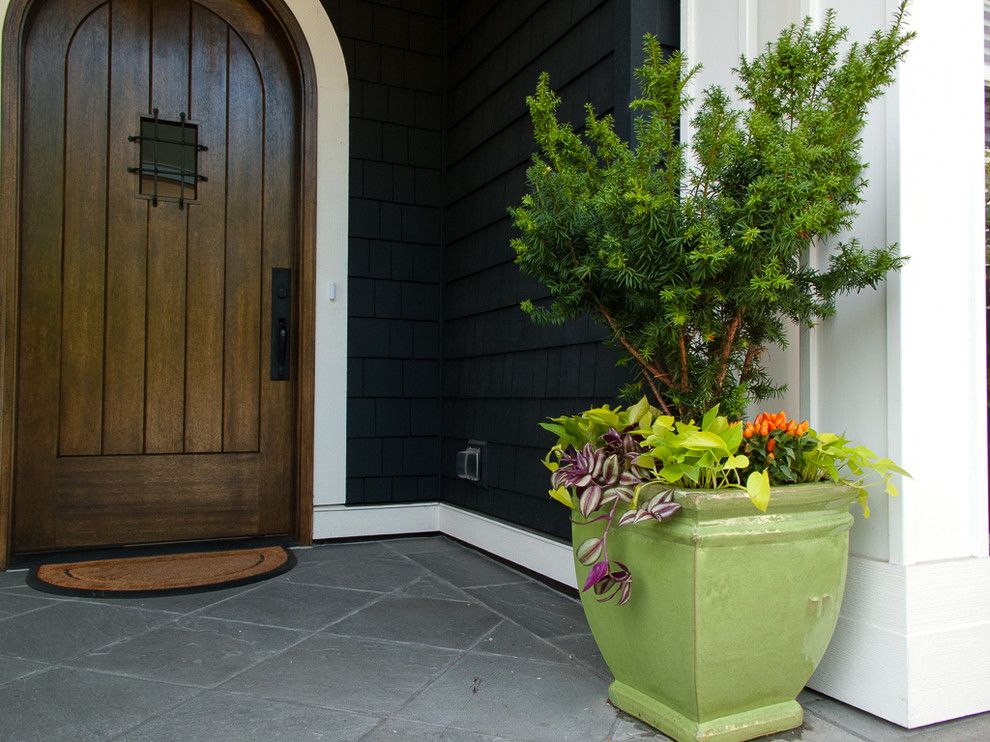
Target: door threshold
(121,551)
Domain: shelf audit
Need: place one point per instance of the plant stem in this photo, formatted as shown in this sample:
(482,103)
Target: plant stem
(752,353)
(608,524)
(682,346)
(650,369)
(730,338)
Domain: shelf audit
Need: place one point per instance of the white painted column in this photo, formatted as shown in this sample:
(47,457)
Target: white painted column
(902,369)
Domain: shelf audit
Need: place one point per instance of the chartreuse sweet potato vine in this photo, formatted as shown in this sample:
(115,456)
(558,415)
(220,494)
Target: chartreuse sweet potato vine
(604,456)
(691,253)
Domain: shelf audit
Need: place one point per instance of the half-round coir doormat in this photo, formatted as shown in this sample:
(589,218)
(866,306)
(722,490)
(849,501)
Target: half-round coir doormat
(145,576)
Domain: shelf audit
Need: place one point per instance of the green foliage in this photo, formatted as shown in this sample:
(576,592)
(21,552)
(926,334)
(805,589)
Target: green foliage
(837,459)
(693,254)
(719,453)
(684,454)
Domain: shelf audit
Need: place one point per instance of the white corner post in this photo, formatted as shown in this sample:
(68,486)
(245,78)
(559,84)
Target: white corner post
(902,369)
(332,126)
(935,629)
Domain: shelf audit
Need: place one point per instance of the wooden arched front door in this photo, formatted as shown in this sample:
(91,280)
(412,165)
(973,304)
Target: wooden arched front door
(160,159)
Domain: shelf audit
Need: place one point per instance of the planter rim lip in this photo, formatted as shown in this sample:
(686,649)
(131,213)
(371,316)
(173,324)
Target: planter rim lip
(783,497)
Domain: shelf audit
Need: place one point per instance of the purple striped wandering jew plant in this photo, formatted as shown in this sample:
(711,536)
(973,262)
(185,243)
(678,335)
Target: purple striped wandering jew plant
(607,477)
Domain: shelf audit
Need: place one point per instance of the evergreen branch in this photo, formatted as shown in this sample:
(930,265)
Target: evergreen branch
(682,347)
(730,338)
(651,370)
(648,368)
(753,353)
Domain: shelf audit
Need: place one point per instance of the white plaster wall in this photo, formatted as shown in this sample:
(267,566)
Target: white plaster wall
(331,248)
(936,315)
(333,105)
(850,375)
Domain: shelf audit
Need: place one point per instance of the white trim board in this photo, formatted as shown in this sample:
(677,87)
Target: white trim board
(536,552)
(913,641)
(355,521)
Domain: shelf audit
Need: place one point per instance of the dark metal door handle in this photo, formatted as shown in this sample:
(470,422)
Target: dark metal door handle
(281,322)
(283,347)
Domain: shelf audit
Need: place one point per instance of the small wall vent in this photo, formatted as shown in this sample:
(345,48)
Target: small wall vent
(469,461)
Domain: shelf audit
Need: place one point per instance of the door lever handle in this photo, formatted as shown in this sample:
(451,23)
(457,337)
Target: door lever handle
(283,346)
(281,322)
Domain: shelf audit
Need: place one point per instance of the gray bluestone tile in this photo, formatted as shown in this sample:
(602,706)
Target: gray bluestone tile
(290,606)
(12,668)
(68,629)
(400,730)
(628,728)
(466,568)
(424,545)
(351,549)
(814,729)
(75,705)
(213,716)
(582,648)
(512,641)
(807,696)
(516,698)
(12,578)
(958,730)
(434,587)
(535,607)
(442,623)
(14,602)
(379,574)
(856,721)
(360,675)
(177,604)
(192,651)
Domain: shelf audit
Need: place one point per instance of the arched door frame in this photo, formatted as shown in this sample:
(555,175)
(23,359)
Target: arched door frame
(320,415)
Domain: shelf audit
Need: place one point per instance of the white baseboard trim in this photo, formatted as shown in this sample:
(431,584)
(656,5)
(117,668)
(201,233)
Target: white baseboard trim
(341,521)
(541,554)
(913,641)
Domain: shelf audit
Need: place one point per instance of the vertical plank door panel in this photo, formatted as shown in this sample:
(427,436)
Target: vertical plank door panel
(205,279)
(242,339)
(166,311)
(143,331)
(278,398)
(127,232)
(40,333)
(84,243)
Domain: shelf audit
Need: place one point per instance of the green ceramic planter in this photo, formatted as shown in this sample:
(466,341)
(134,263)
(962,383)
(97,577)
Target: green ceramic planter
(731,610)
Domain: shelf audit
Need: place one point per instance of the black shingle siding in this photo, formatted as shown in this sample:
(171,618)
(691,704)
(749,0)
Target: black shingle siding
(393,50)
(502,374)
(439,144)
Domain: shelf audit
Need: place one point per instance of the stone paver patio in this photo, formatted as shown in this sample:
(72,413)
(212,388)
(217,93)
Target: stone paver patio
(403,639)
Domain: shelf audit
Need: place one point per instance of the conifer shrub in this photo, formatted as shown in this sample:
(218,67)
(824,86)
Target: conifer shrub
(693,252)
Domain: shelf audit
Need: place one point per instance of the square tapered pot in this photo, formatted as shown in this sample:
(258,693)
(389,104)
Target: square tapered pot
(731,609)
